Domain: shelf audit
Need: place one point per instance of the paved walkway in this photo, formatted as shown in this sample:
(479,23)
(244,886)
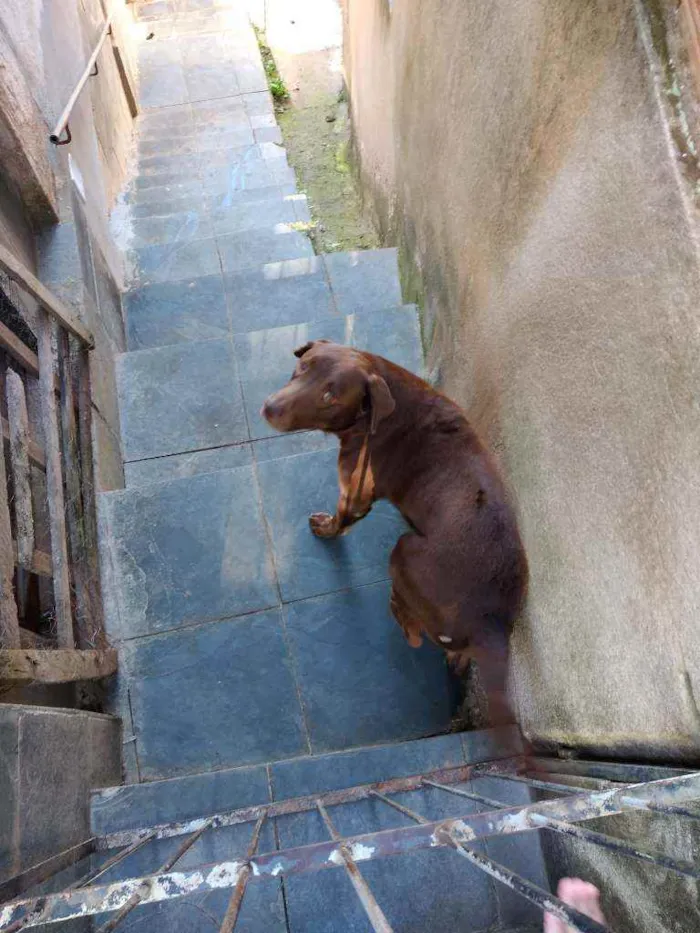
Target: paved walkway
(243,639)
(257,662)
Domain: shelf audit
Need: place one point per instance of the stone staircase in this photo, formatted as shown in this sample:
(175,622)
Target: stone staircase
(256,661)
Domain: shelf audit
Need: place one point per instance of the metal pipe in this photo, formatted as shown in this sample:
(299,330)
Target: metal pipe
(533,782)
(607,770)
(111,862)
(616,845)
(286,807)
(36,874)
(234,905)
(543,899)
(667,809)
(62,123)
(144,889)
(411,814)
(98,899)
(479,798)
(374,912)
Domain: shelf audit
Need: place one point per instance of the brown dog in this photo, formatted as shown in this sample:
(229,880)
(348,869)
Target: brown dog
(460,575)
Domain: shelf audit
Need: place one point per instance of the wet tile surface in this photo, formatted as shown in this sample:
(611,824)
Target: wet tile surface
(176,312)
(183,719)
(135,805)
(294,487)
(364,281)
(179,466)
(183,552)
(360,681)
(180,398)
(279,293)
(241,252)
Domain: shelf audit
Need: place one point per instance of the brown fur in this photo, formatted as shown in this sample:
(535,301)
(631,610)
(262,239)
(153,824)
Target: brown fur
(460,576)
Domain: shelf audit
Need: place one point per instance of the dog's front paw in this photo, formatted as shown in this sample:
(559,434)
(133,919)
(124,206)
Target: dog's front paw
(323,525)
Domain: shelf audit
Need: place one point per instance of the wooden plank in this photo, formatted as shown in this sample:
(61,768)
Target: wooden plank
(31,284)
(57,666)
(29,639)
(87,479)
(18,350)
(9,623)
(19,463)
(74,500)
(41,564)
(36,454)
(691,25)
(54,486)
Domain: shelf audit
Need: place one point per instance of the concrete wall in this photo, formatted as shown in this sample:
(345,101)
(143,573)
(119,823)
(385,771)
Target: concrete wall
(520,154)
(49,761)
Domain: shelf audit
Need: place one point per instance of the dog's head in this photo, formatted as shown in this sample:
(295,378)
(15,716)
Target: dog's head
(331,388)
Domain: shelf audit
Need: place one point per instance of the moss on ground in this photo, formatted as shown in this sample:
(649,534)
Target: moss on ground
(317,138)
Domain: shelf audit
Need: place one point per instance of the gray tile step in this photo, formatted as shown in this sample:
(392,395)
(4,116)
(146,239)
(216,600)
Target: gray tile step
(277,214)
(189,258)
(295,291)
(206,394)
(424,890)
(154,170)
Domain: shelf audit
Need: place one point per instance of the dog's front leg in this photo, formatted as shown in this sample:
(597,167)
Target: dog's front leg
(355,498)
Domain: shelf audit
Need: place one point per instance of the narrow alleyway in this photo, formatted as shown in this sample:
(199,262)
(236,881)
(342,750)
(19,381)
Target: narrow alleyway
(250,652)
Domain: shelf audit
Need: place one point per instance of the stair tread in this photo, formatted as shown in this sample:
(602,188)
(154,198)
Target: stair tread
(205,394)
(286,292)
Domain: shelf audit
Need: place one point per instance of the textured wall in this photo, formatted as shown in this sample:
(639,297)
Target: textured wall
(519,155)
(49,761)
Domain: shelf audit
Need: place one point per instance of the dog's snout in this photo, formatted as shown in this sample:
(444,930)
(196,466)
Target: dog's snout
(270,408)
(273,410)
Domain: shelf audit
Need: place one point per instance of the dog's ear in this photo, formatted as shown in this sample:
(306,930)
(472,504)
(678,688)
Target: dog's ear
(381,400)
(300,351)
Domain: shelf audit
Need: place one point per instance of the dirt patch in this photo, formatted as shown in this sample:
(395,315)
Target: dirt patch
(316,132)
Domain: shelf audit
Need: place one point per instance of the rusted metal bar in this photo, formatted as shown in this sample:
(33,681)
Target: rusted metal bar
(537,895)
(9,622)
(19,273)
(234,905)
(111,862)
(19,462)
(291,805)
(62,122)
(616,845)
(607,770)
(533,782)
(374,912)
(54,486)
(470,795)
(666,810)
(101,898)
(411,814)
(16,885)
(146,887)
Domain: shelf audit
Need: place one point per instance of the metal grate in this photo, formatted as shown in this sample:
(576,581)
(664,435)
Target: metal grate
(621,788)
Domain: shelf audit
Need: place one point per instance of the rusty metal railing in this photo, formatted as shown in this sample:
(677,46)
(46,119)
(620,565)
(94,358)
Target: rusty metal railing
(91,70)
(665,796)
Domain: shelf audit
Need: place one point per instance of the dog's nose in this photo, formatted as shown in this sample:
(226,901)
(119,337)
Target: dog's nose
(270,409)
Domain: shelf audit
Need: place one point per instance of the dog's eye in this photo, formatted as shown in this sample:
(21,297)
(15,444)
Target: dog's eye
(327,398)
